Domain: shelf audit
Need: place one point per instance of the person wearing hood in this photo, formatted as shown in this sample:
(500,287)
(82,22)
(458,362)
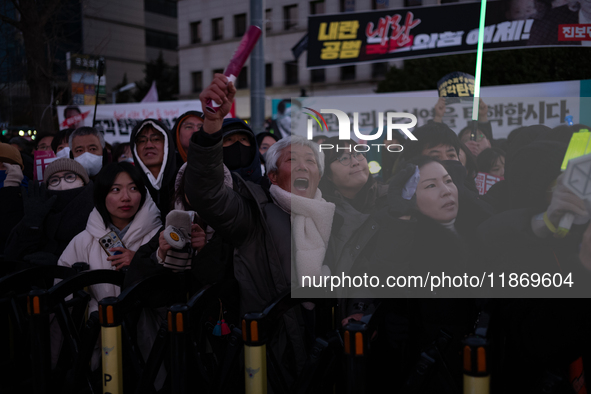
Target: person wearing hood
(183,129)
(54,213)
(241,154)
(153,152)
(87,147)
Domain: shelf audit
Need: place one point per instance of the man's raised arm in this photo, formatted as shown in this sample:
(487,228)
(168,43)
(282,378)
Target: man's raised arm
(221,207)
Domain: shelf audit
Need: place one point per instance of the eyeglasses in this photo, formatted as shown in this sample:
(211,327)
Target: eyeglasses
(70,177)
(466,137)
(154,139)
(346,158)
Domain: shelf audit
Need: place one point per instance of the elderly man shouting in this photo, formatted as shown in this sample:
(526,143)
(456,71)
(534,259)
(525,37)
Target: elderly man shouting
(258,220)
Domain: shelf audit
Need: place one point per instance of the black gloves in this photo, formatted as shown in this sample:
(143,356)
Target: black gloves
(398,205)
(36,204)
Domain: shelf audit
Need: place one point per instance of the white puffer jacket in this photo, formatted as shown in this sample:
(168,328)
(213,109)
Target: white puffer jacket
(85,247)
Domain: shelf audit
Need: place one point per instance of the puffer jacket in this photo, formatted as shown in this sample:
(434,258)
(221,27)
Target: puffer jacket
(85,247)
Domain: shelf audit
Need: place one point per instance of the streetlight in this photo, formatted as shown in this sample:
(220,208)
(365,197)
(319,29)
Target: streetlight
(123,89)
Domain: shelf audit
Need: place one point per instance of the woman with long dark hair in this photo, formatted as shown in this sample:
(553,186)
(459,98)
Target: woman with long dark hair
(123,206)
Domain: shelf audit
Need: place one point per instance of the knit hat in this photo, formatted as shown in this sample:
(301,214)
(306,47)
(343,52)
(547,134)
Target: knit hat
(65,164)
(9,154)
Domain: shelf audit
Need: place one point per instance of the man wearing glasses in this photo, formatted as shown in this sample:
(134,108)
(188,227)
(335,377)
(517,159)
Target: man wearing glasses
(153,151)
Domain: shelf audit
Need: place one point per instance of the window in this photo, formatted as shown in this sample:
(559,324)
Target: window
(268,22)
(413,3)
(290,16)
(239,25)
(197,78)
(347,5)
(159,39)
(195,32)
(217,29)
(347,73)
(242,80)
(318,75)
(291,73)
(317,7)
(380,4)
(269,74)
(217,71)
(379,70)
(162,7)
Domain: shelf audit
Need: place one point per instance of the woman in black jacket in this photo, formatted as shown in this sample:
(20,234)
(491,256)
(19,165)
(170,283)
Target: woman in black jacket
(426,230)
(54,213)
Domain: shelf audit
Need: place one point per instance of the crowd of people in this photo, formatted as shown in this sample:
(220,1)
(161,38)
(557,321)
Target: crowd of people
(267,210)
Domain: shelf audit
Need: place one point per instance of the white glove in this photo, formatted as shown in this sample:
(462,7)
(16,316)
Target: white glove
(14,175)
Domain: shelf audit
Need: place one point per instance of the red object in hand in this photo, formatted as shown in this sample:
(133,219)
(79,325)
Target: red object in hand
(246,46)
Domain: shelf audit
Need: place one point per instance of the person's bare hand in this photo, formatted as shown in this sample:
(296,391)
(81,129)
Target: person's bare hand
(121,260)
(163,246)
(355,316)
(222,92)
(198,239)
(439,110)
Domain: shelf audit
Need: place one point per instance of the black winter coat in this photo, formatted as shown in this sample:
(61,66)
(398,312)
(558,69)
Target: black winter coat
(66,219)
(260,232)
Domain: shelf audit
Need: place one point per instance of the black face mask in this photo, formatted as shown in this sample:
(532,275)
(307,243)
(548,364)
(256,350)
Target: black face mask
(238,155)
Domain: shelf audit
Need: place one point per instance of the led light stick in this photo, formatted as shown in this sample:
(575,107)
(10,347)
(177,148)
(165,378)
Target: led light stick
(478,68)
(246,46)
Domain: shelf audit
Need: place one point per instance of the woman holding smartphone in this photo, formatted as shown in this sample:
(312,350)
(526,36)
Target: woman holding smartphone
(124,210)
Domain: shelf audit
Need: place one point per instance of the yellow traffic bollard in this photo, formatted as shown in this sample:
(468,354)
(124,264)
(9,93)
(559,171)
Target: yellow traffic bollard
(111,350)
(476,366)
(255,354)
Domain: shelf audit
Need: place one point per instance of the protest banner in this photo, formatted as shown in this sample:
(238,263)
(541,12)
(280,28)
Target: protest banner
(118,120)
(413,32)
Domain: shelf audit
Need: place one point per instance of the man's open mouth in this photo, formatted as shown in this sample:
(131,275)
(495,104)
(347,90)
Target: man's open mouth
(301,184)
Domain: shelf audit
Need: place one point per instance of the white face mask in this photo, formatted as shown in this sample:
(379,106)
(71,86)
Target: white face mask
(91,163)
(67,186)
(63,153)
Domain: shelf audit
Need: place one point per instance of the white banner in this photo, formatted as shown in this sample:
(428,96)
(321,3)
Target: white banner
(118,120)
(509,107)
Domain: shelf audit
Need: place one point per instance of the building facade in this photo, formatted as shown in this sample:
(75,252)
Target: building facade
(128,34)
(209,33)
